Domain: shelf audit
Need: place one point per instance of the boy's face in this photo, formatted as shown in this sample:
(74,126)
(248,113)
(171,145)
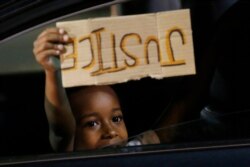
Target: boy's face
(99,118)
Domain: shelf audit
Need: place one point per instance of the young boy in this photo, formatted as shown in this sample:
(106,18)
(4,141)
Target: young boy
(99,119)
(89,117)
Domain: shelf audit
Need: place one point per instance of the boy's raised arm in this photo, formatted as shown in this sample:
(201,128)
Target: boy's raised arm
(47,48)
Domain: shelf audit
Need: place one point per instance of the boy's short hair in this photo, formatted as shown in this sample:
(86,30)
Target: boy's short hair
(72,90)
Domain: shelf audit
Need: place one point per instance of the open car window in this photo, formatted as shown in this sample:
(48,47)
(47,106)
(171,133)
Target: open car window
(204,132)
(204,110)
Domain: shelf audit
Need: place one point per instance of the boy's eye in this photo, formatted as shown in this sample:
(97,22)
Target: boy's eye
(117,118)
(91,124)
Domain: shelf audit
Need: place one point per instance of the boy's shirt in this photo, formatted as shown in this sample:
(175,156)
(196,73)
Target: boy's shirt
(148,137)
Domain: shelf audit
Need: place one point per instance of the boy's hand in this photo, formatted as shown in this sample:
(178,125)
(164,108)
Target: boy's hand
(48,46)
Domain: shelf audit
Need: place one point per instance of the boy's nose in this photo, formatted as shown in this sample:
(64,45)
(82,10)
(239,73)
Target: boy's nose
(109,132)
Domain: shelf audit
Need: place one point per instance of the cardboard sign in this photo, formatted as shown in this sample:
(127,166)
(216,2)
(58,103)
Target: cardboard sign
(119,49)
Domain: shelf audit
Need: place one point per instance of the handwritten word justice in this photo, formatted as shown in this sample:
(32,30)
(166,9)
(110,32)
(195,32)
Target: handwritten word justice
(118,49)
(123,46)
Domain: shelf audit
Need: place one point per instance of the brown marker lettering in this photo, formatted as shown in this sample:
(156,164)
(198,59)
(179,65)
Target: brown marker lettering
(169,48)
(146,45)
(123,48)
(73,55)
(92,61)
(115,68)
(101,69)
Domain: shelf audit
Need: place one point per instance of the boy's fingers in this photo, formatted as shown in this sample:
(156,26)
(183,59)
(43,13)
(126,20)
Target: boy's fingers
(52,31)
(47,46)
(53,38)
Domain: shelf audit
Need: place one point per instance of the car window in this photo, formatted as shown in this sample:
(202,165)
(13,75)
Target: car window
(210,107)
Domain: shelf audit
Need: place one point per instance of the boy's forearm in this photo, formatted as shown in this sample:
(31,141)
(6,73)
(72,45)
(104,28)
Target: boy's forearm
(59,115)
